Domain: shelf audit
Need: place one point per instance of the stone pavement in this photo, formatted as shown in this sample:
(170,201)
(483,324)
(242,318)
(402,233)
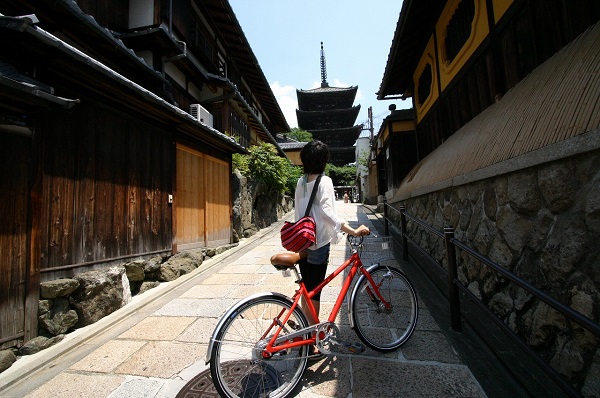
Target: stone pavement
(156,345)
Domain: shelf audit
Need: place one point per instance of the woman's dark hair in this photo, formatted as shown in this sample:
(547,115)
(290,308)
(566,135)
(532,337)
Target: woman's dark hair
(314,157)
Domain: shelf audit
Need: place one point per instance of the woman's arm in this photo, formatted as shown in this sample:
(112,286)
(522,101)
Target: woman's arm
(362,230)
(328,209)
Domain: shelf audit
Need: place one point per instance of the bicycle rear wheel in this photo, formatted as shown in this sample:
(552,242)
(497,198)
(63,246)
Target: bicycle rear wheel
(380,328)
(237,366)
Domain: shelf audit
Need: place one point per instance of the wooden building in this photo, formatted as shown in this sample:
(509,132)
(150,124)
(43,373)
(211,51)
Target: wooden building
(117,125)
(291,148)
(507,119)
(394,152)
(456,58)
(329,115)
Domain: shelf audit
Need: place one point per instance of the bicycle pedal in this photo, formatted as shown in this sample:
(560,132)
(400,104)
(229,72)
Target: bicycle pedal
(348,347)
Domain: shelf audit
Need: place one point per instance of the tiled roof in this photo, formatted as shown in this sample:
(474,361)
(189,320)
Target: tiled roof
(329,89)
(287,143)
(292,145)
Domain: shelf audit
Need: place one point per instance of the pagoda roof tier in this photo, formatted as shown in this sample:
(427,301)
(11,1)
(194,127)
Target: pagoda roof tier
(324,120)
(338,137)
(326,98)
(342,156)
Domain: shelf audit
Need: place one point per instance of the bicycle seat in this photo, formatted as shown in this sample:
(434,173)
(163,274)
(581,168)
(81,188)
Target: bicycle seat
(286,260)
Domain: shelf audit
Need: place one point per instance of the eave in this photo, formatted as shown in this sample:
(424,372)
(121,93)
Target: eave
(83,32)
(25,96)
(240,52)
(414,28)
(257,125)
(334,118)
(79,72)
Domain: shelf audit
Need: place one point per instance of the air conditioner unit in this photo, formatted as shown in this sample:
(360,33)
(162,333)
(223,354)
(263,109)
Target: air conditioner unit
(201,114)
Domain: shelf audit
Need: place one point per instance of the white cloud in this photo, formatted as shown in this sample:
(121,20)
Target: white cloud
(339,83)
(287,100)
(359,95)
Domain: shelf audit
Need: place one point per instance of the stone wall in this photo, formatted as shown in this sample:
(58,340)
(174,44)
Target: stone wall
(255,206)
(543,224)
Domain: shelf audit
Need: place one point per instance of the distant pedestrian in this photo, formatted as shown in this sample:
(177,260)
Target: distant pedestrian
(346,197)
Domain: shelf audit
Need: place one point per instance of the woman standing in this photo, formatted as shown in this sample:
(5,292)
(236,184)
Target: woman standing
(313,268)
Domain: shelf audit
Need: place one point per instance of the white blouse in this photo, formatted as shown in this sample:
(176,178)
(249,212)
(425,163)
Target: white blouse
(323,209)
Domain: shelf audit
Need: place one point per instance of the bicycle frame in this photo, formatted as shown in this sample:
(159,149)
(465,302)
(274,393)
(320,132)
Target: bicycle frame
(279,343)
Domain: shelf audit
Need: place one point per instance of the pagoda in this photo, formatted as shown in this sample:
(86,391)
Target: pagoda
(329,115)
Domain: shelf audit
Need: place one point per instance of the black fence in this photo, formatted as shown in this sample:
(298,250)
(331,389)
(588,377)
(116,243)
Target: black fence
(455,286)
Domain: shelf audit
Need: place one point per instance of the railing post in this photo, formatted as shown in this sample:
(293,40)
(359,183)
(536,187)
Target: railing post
(385,217)
(453,297)
(403,232)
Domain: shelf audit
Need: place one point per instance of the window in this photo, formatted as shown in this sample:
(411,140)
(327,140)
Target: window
(458,30)
(424,85)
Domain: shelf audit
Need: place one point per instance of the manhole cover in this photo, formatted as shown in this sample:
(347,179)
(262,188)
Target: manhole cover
(199,386)
(257,383)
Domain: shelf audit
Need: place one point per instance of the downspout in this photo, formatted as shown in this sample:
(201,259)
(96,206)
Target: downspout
(184,54)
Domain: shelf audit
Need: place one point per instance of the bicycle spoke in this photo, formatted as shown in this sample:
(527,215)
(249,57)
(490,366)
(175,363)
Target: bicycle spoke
(237,364)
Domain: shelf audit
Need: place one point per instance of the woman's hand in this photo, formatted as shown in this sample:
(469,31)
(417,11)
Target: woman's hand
(360,231)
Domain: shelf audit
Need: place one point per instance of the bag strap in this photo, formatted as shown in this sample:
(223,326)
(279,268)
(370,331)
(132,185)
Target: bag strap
(312,195)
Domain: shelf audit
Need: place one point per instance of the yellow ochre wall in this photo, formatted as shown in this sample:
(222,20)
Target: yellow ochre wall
(500,7)
(479,31)
(436,57)
(428,58)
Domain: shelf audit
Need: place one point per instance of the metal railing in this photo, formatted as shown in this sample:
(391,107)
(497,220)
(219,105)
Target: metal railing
(454,285)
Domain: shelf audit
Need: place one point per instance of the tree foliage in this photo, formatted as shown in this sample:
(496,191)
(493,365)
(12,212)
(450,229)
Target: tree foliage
(341,175)
(299,135)
(265,165)
(294,174)
(240,162)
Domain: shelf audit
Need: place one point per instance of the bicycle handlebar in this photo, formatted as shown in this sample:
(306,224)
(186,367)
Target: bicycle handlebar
(352,239)
(357,240)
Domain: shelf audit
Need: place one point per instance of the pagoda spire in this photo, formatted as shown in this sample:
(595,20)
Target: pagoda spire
(323,68)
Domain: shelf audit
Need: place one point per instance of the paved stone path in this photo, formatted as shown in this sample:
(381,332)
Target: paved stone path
(156,345)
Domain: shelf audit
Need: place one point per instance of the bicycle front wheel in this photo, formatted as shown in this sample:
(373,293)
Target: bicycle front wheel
(237,365)
(384,329)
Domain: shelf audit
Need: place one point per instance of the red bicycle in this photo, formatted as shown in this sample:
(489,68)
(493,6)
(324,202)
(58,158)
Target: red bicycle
(260,347)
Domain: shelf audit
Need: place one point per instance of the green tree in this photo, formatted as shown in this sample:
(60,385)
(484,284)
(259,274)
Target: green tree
(293,175)
(341,175)
(299,135)
(265,165)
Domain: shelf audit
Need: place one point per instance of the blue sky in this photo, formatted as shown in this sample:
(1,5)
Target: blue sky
(286,37)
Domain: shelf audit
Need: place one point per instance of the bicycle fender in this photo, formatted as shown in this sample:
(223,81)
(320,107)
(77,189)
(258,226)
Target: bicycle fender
(355,290)
(233,310)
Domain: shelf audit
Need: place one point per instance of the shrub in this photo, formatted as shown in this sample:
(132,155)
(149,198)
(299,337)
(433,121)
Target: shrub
(265,165)
(294,174)
(240,162)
